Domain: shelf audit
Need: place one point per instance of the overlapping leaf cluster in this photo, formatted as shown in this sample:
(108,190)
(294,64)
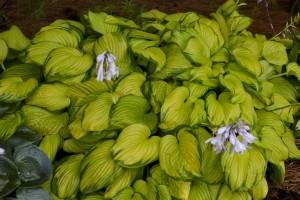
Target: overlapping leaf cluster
(143,135)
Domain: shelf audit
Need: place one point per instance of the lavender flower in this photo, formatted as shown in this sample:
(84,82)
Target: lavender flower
(105,67)
(2,151)
(229,133)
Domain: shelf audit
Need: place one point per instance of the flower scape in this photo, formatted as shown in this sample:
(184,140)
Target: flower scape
(181,106)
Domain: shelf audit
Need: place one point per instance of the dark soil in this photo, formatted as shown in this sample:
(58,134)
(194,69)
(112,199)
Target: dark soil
(18,14)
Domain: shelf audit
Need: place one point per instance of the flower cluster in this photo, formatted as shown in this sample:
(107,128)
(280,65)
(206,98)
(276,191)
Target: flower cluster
(229,133)
(2,151)
(105,67)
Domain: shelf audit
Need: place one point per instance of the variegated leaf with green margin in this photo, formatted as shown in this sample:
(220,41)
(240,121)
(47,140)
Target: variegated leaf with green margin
(179,155)
(226,194)
(98,24)
(68,80)
(272,141)
(134,147)
(176,109)
(274,52)
(227,8)
(176,63)
(93,196)
(223,26)
(235,41)
(48,186)
(235,167)
(277,172)
(124,178)
(135,33)
(259,101)
(196,89)
(198,36)
(96,114)
(247,60)
(266,118)
(254,45)
(123,22)
(115,43)
(132,109)
(222,56)
(214,109)
(50,96)
(71,145)
(66,177)
(214,190)
(269,70)
(293,69)
(248,113)
(67,61)
(198,115)
(244,75)
(75,122)
(199,190)
(128,193)
(178,189)
(231,111)
(87,44)
(97,168)
(260,191)
(289,140)
(237,24)
(37,53)
(235,86)
(9,123)
(24,71)
(51,144)
(154,14)
(42,121)
(180,38)
(283,87)
(131,84)
(3,52)
(282,108)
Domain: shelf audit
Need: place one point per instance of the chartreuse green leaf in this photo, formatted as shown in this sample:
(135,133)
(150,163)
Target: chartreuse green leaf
(235,168)
(266,118)
(248,113)
(33,165)
(50,96)
(124,178)
(24,71)
(87,44)
(179,155)
(75,122)
(97,23)
(272,141)
(66,177)
(214,190)
(15,39)
(129,194)
(199,190)
(9,124)
(120,21)
(134,147)
(227,8)
(237,24)
(51,144)
(231,111)
(9,177)
(226,194)
(283,87)
(277,172)
(196,89)
(178,189)
(235,86)
(274,53)
(154,14)
(33,193)
(214,109)
(289,140)
(260,191)
(96,114)
(4,52)
(42,121)
(176,109)
(254,45)
(179,37)
(198,114)
(293,69)
(97,168)
(131,84)
(93,196)
(71,145)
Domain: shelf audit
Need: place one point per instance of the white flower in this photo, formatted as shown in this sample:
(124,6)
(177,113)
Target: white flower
(2,151)
(229,134)
(106,67)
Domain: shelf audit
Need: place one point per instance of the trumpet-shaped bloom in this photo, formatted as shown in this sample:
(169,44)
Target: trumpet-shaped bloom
(2,151)
(230,134)
(106,67)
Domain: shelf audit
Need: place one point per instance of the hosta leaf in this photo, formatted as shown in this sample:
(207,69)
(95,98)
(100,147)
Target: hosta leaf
(179,37)
(120,21)
(247,111)
(75,123)
(9,124)
(231,111)
(51,144)
(200,190)
(289,140)
(274,53)
(176,109)
(283,87)
(226,194)
(254,45)
(198,114)
(50,96)
(4,51)
(214,189)
(277,172)
(273,142)
(214,109)
(92,196)
(66,177)
(98,168)
(131,84)
(24,71)
(178,189)
(265,118)
(134,147)
(43,121)
(196,89)
(235,86)
(260,191)
(154,14)
(15,39)
(227,8)
(129,193)
(97,23)
(293,69)
(72,145)
(179,156)
(239,23)
(87,44)
(33,193)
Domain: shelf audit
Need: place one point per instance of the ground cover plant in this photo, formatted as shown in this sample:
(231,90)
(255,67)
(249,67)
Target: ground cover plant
(180,106)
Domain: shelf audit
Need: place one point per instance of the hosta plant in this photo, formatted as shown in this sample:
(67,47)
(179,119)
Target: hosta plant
(181,106)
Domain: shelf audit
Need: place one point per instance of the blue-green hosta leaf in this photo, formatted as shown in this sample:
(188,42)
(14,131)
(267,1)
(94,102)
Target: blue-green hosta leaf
(266,118)
(15,39)
(214,109)
(66,62)
(96,114)
(248,61)
(132,109)
(42,121)
(226,193)
(238,23)
(98,24)
(97,168)
(9,124)
(293,69)
(50,96)
(178,189)
(33,164)
(260,191)
(273,142)
(247,111)
(283,87)
(51,144)
(235,168)
(179,155)
(231,111)
(289,140)
(125,178)
(134,147)
(66,177)
(131,84)
(198,114)
(274,53)
(199,190)
(176,109)
(277,172)
(9,177)
(33,193)
(128,193)
(154,14)
(235,86)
